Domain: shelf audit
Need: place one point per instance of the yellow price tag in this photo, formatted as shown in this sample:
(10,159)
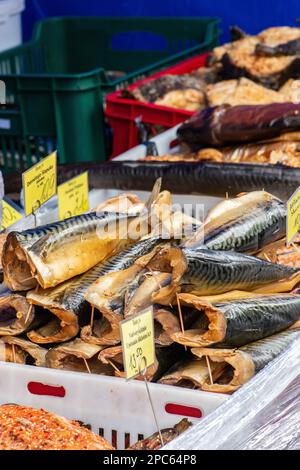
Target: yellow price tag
(138,343)
(9,215)
(73,196)
(39,183)
(293,216)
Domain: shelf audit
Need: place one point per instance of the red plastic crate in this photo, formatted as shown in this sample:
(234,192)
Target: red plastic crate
(121,112)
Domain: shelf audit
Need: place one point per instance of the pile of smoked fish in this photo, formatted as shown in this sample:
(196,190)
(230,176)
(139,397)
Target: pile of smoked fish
(223,290)
(247,99)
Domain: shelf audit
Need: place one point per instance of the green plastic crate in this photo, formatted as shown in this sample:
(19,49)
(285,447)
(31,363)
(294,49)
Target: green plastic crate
(55,83)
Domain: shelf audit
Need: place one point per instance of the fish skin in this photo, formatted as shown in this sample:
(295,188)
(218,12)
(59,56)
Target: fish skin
(57,252)
(206,272)
(245,361)
(43,249)
(265,350)
(245,224)
(234,324)
(253,319)
(37,353)
(67,300)
(212,271)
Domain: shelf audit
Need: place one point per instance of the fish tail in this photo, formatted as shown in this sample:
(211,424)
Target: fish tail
(154,193)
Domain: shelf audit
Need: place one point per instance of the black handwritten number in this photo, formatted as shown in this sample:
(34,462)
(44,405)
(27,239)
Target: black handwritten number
(80,205)
(139,352)
(132,362)
(48,188)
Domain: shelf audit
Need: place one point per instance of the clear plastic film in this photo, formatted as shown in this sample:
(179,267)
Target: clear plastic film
(263,414)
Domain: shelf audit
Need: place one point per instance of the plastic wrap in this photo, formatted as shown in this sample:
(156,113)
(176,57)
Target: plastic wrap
(263,414)
(224,125)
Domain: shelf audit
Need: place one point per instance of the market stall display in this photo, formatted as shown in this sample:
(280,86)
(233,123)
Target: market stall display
(219,286)
(201,293)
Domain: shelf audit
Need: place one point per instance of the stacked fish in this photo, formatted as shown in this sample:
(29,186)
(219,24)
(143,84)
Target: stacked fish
(220,313)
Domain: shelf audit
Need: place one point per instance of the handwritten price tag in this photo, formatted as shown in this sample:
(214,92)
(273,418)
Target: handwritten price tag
(10,215)
(138,343)
(39,183)
(73,196)
(293,216)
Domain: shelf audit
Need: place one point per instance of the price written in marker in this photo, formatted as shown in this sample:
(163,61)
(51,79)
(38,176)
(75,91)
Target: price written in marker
(293,216)
(10,215)
(138,343)
(73,196)
(39,183)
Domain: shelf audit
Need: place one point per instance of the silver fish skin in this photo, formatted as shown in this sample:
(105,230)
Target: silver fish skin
(67,300)
(244,224)
(40,250)
(265,350)
(256,318)
(211,271)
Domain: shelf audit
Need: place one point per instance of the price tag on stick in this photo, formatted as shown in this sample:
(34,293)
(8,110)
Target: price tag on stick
(293,216)
(138,343)
(39,183)
(10,215)
(73,196)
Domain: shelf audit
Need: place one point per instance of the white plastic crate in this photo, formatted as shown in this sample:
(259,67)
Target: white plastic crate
(115,408)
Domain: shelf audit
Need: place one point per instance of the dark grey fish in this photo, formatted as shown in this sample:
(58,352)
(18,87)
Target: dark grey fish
(236,323)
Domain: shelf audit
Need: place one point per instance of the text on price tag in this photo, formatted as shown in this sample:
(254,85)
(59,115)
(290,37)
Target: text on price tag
(10,215)
(39,183)
(73,196)
(138,343)
(293,216)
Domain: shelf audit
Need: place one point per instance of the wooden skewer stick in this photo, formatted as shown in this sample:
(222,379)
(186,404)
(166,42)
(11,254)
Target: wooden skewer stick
(113,366)
(209,370)
(28,278)
(267,258)
(226,195)
(92,318)
(180,316)
(14,352)
(86,365)
(28,313)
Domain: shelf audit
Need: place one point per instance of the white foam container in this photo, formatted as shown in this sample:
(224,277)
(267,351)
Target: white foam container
(113,407)
(10,23)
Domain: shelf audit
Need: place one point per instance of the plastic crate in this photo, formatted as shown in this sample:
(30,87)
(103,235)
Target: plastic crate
(112,407)
(121,113)
(55,82)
